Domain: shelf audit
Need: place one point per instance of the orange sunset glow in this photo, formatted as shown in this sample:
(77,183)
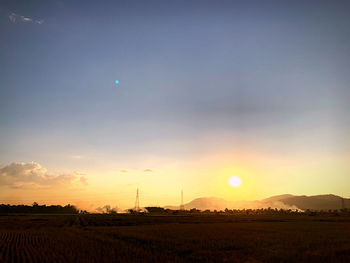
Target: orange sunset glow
(175,131)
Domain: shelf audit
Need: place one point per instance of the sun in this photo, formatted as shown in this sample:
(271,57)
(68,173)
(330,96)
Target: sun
(235,181)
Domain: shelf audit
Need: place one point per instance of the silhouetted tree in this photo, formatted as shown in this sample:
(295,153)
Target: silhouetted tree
(36,208)
(152,209)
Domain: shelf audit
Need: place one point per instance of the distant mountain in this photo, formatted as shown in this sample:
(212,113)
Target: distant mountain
(317,202)
(277,198)
(286,201)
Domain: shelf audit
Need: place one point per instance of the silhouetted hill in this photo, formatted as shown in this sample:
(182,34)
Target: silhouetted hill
(286,201)
(213,202)
(277,198)
(317,202)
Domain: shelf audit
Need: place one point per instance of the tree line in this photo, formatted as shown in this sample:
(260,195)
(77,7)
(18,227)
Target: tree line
(261,211)
(38,209)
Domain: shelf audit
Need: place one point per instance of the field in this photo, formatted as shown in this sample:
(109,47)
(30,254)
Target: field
(179,238)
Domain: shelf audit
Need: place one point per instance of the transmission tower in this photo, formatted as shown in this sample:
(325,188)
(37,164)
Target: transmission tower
(182,207)
(137,202)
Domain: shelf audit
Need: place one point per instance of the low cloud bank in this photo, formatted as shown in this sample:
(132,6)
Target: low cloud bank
(33,175)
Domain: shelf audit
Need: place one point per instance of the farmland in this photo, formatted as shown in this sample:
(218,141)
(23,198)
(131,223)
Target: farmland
(174,238)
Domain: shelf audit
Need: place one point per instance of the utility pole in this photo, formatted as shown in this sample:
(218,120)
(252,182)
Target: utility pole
(182,207)
(137,202)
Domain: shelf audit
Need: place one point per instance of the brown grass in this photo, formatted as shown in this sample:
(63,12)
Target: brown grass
(199,238)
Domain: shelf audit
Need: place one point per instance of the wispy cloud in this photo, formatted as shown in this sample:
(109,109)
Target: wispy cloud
(33,175)
(148,170)
(77,157)
(15,18)
(83,180)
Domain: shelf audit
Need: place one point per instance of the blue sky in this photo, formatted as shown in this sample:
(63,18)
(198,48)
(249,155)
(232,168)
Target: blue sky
(196,77)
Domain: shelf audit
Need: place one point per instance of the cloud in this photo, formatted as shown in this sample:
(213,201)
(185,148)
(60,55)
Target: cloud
(33,175)
(123,171)
(83,180)
(148,170)
(26,19)
(14,18)
(77,157)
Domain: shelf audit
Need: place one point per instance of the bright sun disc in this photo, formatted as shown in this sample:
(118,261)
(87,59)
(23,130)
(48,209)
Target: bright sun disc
(235,181)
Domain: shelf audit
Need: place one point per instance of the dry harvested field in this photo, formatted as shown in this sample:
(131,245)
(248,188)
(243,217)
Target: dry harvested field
(197,238)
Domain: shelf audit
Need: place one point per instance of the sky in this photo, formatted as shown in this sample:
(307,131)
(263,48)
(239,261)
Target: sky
(207,90)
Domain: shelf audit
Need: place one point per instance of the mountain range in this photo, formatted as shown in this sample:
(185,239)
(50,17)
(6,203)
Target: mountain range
(286,201)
